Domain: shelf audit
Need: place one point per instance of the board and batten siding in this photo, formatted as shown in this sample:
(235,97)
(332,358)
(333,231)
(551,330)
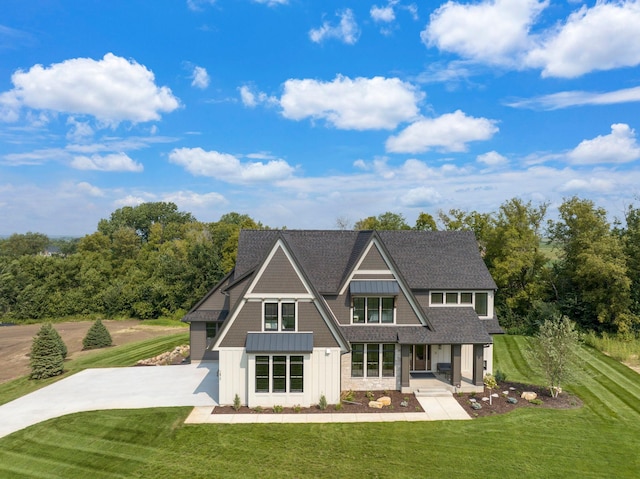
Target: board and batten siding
(232,375)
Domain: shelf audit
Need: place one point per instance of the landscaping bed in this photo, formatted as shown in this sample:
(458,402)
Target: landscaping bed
(358,403)
(500,404)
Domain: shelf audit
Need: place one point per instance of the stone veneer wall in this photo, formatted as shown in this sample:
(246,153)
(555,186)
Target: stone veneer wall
(369,384)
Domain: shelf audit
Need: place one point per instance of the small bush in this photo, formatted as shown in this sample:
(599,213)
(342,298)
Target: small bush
(297,408)
(97,337)
(348,395)
(322,404)
(338,407)
(500,376)
(236,403)
(536,401)
(278,409)
(370,396)
(258,409)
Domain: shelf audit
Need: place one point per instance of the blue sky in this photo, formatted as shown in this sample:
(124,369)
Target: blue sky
(300,112)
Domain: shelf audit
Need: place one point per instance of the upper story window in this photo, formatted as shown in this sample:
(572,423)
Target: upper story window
(373,310)
(479,300)
(280,316)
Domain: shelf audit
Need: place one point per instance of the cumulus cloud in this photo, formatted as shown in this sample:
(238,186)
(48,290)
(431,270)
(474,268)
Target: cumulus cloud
(620,146)
(200,78)
(226,167)
(383,14)
(112,162)
(252,98)
(189,199)
(358,104)
(272,3)
(588,185)
(492,158)
(112,90)
(603,37)
(346,30)
(88,189)
(420,197)
(491,31)
(567,99)
(80,130)
(449,132)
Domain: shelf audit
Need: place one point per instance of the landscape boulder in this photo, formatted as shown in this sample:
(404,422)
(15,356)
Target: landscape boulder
(375,404)
(528,395)
(385,400)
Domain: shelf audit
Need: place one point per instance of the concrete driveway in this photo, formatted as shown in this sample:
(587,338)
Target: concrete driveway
(114,388)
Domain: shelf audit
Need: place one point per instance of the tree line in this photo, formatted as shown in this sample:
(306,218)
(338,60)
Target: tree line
(153,260)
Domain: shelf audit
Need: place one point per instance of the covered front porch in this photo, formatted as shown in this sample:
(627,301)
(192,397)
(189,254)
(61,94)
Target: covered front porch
(443,367)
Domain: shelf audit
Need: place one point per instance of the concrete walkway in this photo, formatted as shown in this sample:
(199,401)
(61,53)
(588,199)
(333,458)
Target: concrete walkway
(436,409)
(114,388)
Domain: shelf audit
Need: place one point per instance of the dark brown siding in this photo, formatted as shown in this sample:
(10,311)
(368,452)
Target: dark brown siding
(217,301)
(404,312)
(373,260)
(309,319)
(198,340)
(341,307)
(248,319)
(236,292)
(422,297)
(280,277)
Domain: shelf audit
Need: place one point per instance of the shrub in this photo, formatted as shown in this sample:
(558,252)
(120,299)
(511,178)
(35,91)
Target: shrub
(297,408)
(500,376)
(278,408)
(47,358)
(348,395)
(338,407)
(536,401)
(370,396)
(236,403)
(322,404)
(97,337)
(258,409)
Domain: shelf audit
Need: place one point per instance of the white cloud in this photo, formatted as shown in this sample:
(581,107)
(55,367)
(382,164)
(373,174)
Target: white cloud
(272,3)
(346,31)
(359,104)
(567,99)
(449,132)
(492,158)
(421,196)
(190,199)
(89,189)
(112,90)
(620,146)
(80,130)
(112,162)
(588,185)
(491,31)
(200,78)
(251,98)
(226,167)
(603,37)
(383,14)
(198,5)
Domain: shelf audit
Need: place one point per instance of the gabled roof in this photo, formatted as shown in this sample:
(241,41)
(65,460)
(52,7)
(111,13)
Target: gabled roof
(425,259)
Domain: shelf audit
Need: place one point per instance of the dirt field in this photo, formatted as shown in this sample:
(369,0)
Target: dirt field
(15,341)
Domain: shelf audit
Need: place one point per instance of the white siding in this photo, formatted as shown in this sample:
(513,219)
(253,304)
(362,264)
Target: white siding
(232,375)
(440,353)
(466,360)
(488,357)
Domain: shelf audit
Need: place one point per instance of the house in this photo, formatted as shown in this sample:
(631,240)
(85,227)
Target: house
(311,313)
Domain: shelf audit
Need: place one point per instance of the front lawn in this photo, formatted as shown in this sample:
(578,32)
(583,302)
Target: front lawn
(602,439)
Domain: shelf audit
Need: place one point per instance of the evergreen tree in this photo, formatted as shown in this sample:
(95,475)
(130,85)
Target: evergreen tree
(47,359)
(97,337)
(61,345)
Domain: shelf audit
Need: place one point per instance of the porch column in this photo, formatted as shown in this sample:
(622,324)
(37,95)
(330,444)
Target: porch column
(478,364)
(456,364)
(405,365)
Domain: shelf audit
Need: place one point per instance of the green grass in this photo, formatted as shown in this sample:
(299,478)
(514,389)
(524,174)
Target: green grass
(602,439)
(611,345)
(125,355)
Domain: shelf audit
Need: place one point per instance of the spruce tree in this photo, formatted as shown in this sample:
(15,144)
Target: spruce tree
(97,337)
(61,345)
(47,358)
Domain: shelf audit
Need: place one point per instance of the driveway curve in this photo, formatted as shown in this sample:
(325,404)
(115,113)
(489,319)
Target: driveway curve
(114,388)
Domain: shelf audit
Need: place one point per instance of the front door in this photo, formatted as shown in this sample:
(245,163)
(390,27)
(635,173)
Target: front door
(419,357)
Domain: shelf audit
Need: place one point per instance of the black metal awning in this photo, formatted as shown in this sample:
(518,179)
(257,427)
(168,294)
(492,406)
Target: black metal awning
(383,288)
(279,342)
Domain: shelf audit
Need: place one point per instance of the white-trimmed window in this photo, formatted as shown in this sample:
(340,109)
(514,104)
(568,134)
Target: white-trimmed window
(373,360)
(279,374)
(279,316)
(373,310)
(479,300)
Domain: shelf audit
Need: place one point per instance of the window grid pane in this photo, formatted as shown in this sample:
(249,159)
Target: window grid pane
(270,316)
(262,374)
(357,360)
(466,298)
(279,374)
(388,360)
(437,298)
(288,316)
(373,360)
(296,374)
(387,310)
(358,310)
(481,304)
(373,313)
(452,298)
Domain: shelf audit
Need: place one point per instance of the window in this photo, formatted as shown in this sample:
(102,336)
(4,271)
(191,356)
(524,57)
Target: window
(466,298)
(482,304)
(373,310)
(452,298)
(279,374)
(262,374)
(212,329)
(379,358)
(280,316)
(437,298)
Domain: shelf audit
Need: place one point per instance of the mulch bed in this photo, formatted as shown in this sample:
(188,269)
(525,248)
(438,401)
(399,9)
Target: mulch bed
(358,404)
(500,405)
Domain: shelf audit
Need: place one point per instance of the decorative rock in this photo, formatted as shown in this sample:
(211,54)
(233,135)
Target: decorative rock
(512,388)
(476,405)
(512,400)
(375,404)
(495,395)
(528,395)
(506,393)
(485,399)
(385,400)
(472,400)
